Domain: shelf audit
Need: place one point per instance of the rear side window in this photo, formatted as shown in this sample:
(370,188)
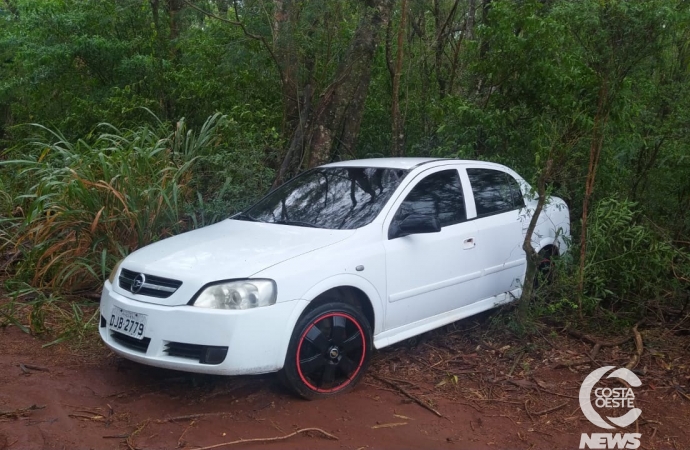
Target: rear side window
(494,191)
(439,194)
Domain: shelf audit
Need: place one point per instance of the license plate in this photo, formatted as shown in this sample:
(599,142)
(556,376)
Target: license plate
(128,323)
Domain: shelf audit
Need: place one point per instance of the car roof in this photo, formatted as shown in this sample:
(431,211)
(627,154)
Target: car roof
(406,163)
(388,163)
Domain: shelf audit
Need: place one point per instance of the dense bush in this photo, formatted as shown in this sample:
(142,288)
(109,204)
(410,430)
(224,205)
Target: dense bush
(90,202)
(627,259)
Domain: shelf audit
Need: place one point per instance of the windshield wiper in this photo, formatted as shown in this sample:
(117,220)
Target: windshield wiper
(245,216)
(297,223)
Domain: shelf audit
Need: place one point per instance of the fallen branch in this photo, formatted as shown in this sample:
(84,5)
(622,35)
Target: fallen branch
(388,425)
(568,364)
(192,417)
(646,422)
(96,418)
(522,383)
(38,368)
(682,394)
(130,439)
(639,348)
(400,380)
(20,412)
(408,395)
(546,411)
(559,394)
(271,439)
(528,411)
(544,389)
(181,443)
(517,360)
(449,360)
(598,345)
(499,400)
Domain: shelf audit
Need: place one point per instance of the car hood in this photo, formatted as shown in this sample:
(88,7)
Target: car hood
(226,250)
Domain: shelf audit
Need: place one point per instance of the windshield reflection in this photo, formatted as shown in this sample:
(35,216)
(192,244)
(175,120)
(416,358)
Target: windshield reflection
(334,198)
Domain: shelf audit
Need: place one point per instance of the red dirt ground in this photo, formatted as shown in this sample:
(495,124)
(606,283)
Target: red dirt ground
(492,395)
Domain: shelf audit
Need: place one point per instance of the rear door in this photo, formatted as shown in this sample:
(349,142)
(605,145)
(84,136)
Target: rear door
(499,207)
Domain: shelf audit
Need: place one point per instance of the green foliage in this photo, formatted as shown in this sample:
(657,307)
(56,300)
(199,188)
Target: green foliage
(64,58)
(627,259)
(90,202)
(511,82)
(234,173)
(33,311)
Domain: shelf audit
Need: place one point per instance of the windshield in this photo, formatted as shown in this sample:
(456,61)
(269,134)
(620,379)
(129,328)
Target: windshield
(336,198)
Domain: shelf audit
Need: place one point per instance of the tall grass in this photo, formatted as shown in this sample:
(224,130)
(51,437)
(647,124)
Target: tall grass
(90,202)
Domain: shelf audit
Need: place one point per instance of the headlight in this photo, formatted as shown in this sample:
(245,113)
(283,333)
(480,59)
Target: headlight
(243,294)
(111,278)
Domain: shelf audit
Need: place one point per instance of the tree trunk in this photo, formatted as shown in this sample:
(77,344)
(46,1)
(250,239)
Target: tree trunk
(395,70)
(470,23)
(532,256)
(484,44)
(174,7)
(438,51)
(156,15)
(443,30)
(597,143)
(332,125)
(285,51)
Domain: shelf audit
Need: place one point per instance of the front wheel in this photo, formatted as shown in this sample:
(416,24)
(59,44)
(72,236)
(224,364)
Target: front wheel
(329,351)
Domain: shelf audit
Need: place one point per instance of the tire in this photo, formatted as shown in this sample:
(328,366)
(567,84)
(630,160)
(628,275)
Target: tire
(329,351)
(545,268)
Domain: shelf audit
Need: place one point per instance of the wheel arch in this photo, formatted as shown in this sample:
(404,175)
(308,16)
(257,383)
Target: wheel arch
(346,294)
(351,289)
(551,248)
(548,244)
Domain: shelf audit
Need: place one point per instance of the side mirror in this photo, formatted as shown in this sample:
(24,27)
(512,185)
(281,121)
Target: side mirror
(417,224)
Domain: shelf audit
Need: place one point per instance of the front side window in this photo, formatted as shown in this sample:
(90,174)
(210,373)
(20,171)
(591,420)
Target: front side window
(335,198)
(440,195)
(494,191)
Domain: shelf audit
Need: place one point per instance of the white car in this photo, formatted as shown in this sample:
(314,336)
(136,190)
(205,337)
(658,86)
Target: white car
(342,259)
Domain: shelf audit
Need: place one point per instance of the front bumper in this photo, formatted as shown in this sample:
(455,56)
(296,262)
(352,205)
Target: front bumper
(256,339)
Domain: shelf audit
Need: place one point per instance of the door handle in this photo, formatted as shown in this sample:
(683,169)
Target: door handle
(468,244)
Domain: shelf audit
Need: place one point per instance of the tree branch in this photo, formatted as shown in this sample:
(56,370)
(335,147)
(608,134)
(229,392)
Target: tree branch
(246,32)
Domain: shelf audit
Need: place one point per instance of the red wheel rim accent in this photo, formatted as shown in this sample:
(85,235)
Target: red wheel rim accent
(359,363)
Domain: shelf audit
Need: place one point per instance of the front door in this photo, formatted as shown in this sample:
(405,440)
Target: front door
(432,273)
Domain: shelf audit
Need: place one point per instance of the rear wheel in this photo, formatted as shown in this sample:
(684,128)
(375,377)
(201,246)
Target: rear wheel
(545,267)
(329,351)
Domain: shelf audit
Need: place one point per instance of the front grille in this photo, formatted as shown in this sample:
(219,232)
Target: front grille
(153,286)
(205,354)
(139,345)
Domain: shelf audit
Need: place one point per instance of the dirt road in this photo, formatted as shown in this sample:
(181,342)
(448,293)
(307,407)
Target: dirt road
(491,396)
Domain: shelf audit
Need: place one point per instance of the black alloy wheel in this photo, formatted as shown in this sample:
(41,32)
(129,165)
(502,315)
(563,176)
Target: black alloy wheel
(329,351)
